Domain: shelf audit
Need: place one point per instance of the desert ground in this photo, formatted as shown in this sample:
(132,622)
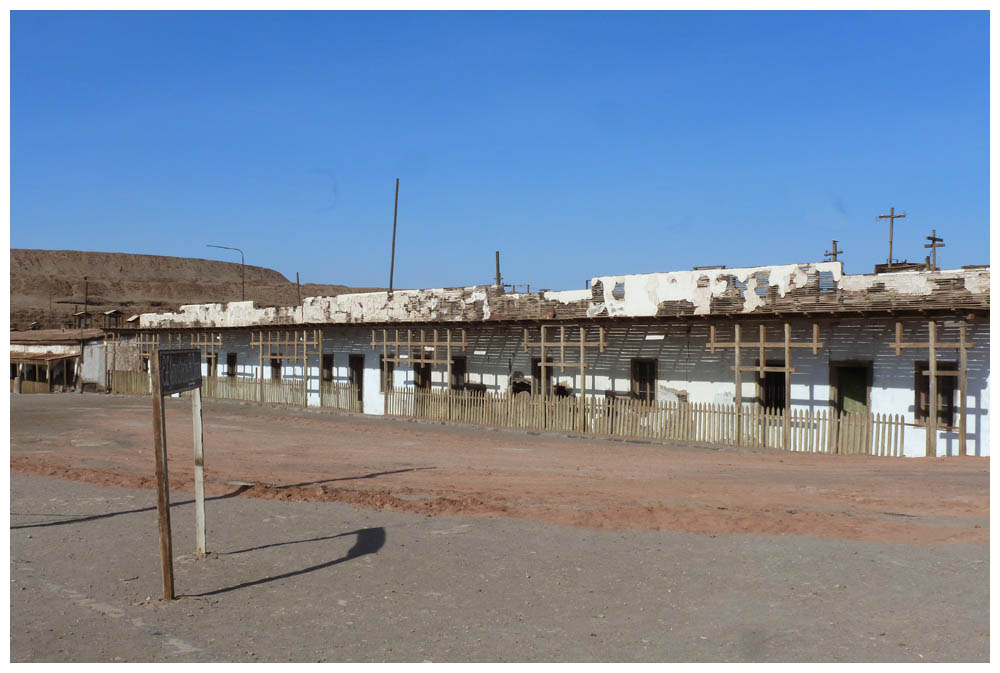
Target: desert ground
(339,537)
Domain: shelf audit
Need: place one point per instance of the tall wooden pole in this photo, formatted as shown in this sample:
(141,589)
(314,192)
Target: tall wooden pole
(963,387)
(199,472)
(739,391)
(392,260)
(583,381)
(932,412)
(788,388)
(162,487)
(499,280)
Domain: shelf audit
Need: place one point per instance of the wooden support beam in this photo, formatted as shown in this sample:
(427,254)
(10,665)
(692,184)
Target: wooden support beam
(933,345)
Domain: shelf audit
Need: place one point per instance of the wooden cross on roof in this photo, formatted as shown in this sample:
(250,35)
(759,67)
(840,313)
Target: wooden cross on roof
(935,243)
(892,217)
(832,254)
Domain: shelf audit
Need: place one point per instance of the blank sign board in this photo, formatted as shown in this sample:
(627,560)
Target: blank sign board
(180,370)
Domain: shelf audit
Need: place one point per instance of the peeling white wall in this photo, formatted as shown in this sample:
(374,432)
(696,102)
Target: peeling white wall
(643,295)
(644,292)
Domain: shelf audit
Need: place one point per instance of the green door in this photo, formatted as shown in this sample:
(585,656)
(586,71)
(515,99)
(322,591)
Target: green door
(852,389)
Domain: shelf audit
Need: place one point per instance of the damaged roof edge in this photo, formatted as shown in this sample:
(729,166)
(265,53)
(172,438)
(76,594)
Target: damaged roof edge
(784,288)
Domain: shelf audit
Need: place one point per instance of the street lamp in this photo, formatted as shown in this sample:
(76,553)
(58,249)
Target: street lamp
(243,273)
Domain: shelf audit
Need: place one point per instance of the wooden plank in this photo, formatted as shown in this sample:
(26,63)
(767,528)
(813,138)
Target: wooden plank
(162,485)
(931,446)
(199,473)
(963,387)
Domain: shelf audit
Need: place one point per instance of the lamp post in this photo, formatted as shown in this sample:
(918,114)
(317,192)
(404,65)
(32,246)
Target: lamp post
(243,273)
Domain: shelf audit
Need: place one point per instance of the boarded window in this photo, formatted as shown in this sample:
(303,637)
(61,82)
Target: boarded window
(326,371)
(231,364)
(644,379)
(945,393)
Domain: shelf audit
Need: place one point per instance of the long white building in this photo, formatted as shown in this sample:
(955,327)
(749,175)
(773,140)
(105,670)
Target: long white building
(667,338)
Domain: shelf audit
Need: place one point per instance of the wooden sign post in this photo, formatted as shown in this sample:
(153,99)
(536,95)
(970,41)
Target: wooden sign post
(174,371)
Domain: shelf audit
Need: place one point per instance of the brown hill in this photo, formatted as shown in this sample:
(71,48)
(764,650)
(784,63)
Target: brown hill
(47,285)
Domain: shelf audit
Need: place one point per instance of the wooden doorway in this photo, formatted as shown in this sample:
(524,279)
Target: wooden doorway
(850,386)
(356,372)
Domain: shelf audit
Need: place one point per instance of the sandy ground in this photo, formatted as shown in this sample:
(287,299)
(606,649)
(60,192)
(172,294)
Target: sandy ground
(405,466)
(335,537)
(320,581)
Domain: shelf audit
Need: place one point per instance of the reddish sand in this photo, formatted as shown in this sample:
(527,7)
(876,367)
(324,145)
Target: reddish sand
(393,464)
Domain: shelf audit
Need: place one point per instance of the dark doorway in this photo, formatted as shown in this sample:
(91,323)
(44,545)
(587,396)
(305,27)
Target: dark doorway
(356,371)
(231,364)
(422,376)
(327,367)
(458,371)
(275,369)
(211,362)
(850,383)
(536,376)
(771,389)
(644,379)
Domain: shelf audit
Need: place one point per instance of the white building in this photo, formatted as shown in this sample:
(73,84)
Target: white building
(657,332)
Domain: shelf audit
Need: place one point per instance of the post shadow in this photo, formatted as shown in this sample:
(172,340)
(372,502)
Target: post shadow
(95,517)
(369,541)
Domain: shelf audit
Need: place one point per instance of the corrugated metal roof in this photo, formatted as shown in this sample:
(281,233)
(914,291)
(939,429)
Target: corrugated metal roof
(41,357)
(56,336)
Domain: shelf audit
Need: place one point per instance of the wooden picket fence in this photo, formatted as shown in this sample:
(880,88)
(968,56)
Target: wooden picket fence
(809,431)
(130,382)
(220,387)
(32,387)
(230,388)
(339,395)
(284,391)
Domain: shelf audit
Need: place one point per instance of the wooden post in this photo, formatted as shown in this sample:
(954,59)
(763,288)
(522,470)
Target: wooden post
(788,388)
(199,472)
(583,381)
(260,370)
(739,391)
(932,411)
(963,385)
(162,487)
(448,373)
(541,367)
(385,370)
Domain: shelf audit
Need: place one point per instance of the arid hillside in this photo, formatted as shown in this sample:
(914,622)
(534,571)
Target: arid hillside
(48,285)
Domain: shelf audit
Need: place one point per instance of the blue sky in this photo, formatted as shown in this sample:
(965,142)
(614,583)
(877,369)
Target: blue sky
(578,144)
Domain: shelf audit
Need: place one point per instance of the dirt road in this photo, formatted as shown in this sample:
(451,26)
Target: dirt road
(345,538)
(318,581)
(405,466)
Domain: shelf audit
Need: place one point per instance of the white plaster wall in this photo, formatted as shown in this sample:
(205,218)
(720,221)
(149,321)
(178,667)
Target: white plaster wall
(684,364)
(93,364)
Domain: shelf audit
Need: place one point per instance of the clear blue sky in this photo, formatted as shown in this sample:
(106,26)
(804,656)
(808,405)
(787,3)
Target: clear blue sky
(578,144)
